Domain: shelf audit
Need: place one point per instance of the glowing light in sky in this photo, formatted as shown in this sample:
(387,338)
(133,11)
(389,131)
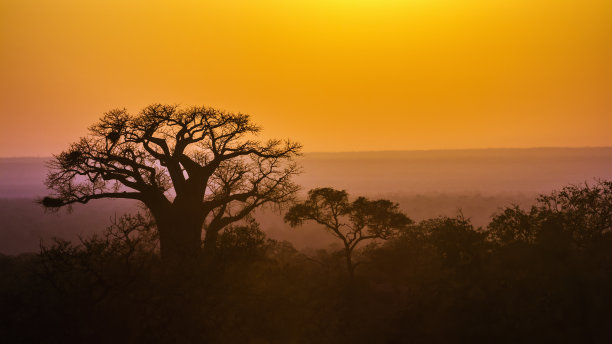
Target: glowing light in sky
(336,75)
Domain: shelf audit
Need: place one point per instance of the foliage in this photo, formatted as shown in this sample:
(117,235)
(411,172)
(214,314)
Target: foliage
(246,241)
(583,213)
(436,281)
(193,168)
(351,222)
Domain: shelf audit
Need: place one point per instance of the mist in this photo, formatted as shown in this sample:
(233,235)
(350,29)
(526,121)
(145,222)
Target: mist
(426,184)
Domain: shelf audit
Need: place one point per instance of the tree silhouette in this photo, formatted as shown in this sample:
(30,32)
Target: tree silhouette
(583,212)
(351,222)
(193,168)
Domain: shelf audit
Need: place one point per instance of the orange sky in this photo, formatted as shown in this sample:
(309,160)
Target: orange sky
(336,75)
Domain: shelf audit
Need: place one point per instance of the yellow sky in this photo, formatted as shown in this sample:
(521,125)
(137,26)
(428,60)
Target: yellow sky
(336,75)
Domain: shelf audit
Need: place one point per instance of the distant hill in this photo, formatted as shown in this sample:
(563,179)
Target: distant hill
(425,183)
(22,177)
(488,171)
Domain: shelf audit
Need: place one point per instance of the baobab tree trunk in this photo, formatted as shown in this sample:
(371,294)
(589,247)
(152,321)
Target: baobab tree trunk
(179,239)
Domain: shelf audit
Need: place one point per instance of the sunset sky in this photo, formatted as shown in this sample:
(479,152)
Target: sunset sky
(335,75)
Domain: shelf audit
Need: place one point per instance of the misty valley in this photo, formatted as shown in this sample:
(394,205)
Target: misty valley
(496,245)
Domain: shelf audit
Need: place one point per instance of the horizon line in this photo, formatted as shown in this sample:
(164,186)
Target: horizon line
(390,150)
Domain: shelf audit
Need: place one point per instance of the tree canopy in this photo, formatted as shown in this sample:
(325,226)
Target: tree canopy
(351,222)
(192,167)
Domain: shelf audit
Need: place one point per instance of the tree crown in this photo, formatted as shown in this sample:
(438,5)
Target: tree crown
(167,155)
(351,222)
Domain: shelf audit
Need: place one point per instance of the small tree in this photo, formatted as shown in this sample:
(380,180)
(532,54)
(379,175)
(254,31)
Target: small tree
(351,222)
(193,168)
(247,241)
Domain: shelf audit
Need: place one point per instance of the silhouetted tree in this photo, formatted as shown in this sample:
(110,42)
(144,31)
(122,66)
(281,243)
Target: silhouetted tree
(581,212)
(351,222)
(92,265)
(514,225)
(454,239)
(247,241)
(193,168)
(440,280)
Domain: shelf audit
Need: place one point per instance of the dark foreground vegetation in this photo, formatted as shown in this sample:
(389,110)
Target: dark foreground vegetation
(533,275)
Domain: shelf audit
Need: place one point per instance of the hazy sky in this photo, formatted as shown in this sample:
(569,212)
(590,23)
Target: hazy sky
(336,75)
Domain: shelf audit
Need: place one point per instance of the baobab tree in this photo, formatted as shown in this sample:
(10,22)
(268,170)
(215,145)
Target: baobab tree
(195,169)
(351,222)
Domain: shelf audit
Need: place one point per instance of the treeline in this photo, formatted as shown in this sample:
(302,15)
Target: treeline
(542,274)
(24,222)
